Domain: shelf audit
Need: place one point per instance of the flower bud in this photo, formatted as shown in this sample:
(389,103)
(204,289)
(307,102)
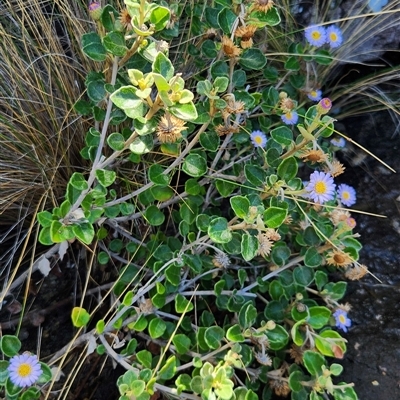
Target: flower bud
(271,325)
(95,10)
(324,106)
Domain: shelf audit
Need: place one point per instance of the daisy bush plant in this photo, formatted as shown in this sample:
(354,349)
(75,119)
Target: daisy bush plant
(229,268)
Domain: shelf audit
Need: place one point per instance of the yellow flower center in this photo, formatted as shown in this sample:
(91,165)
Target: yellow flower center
(313,93)
(258,139)
(316,35)
(346,195)
(342,318)
(24,370)
(333,37)
(320,187)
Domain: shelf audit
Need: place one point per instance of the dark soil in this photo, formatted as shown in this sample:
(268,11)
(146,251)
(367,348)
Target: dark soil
(373,357)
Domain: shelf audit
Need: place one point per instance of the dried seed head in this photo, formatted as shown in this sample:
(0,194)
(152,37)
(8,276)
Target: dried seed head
(263,358)
(338,216)
(356,272)
(226,129)
(265,245)
(169,129)
(262,5)
(313,156)
(221,260)
(287,105)
(272,234)
(125,19)
(339,258)
(280,388)
(229,48)
(296,353)
(335,168)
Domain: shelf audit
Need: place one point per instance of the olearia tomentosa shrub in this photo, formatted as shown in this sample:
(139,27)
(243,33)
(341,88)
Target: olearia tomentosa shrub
(213,188)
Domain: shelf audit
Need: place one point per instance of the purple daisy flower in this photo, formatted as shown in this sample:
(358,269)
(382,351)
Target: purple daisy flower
(334,36)
(290,118)
(315,35)
(314,95)
(321,187)
(258,138)
(24,370)
(347,194)
(342,322)
(339,142)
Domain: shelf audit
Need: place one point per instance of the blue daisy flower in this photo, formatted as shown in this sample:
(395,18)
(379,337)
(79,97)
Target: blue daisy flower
(334,36)
(315,35)
(290,118)
(258,138)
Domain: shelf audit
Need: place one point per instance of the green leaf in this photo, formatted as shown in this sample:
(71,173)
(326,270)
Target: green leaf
(126,99)
(330,343)
(323,57)
(226,18)
(156,328)
(274,216)
(247,315)
(169,369)
(218,230)
(224,187)
(271,17)
(142,144)
(163,66)
(321,278)
(240,206)
(45,237)
(186,111)
(92,47)
(116,141)
(96,93)
(249,246)
(80,317)
(253,59)
(280,254)
(221,83)
(84,232)
(159,17)
(234,334)
(154,216)
(173,274)
(157,176)
(114,42)
(292,64)
(278,337)
(313,362)
(182,304)
(255,175)
(282,135)
(182,343)
(10,345)
(213,336)
(287,169)
(210,141)
(192,187)
(44,218)
(137,387)
(194,165)
(319,316)
(275,311)
(46,375)
(347,393)
(162,193)
(145,358)
(105,177)
(312,258)
(336,369)
(303,276)
(78,181)
(295,381)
